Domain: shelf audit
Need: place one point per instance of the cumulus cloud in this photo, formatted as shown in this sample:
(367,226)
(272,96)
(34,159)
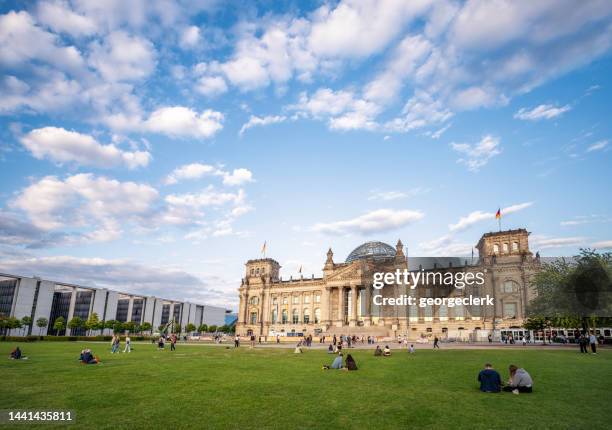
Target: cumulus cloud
(478,216)
(16,231)
(181,121)
(190,37)
(376,221)
(64,146)
(477,155)
(445,246)
(211,85)
(60,18)
(256,121)
(199,170)
(237,177)
(541,112)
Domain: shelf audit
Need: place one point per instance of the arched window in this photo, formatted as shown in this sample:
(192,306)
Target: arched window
(515,246)
(284,300)
(295,316)
(252,271)
(275,301)
(285,316)
(253,317)
(505,248)
(307,298)
(459,312)
(317,315)
(510,287)
(443,312)
(495,248)
(255,300)
(306,315)
(257,271)
(274,315)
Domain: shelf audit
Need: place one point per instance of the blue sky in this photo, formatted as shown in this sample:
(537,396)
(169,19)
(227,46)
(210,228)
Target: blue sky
(154,146)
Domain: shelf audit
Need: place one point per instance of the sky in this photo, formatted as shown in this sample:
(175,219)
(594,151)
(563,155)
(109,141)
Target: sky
(152,147)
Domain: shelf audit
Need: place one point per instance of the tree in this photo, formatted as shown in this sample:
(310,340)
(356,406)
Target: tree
(190,328)
(146,327)
(14,323)
(117,326)
(41,323)
(212,328)
(203,328)
(538,324)
(161,328)
(58,325)
(26,323)
(75,323)
(110,324)
(129,326)
(92,323)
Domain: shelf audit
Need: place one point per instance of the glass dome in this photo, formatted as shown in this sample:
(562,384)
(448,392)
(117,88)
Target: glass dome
(375,250)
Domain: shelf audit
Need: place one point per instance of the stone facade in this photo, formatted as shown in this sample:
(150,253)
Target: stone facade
(340,302)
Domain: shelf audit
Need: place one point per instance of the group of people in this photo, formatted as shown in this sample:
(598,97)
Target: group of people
(585,340)
(116,344)
(337,364)
(161,342)
(16,354)
(519,382)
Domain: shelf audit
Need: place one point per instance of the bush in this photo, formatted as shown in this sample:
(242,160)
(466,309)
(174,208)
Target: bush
(98,338)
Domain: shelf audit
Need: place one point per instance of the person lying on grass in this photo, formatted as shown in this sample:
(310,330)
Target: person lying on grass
(87,357)
(520,381)
(336,364)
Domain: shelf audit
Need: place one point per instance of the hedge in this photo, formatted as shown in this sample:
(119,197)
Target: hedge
(66,338)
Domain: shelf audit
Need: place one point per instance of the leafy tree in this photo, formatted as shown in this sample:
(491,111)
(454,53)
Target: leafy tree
(129,326)
(92,323)
(75,323)
(117,326)
(146,327)
(538,324)
(41,323)
(26,323)
(577,289)
(212,328)
(110,324)
(59,325)
(203,328)
(190,328)
(161,328)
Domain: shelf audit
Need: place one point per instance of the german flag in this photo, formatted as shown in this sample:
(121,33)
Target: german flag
(498,214)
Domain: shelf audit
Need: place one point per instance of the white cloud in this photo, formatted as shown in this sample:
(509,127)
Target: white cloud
(376,221)
(478,216)
(420,111)
(192,171)
(445,246)
(541,112)
(604,244)
(190,37)
(61,19)
(546,242)
(122,57)
(96,204)
(602,144)
(237,177)
(60,145)
(211,86)
(208,197)
(396,195)
(255,121)
(478,155)
(184,122)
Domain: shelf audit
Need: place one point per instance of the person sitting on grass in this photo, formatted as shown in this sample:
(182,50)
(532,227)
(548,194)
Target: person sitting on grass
(298,348)
(336,364)
(17,355)
(520,381)
(378,352)
(160,343)
(490,381)
(411,349)
(87,357)
(330,350)
(387,351)
(350,363)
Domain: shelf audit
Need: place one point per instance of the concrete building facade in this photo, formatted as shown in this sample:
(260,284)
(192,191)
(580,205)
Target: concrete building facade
(38,298)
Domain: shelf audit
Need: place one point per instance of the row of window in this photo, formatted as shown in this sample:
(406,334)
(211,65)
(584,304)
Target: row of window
(505,247)
(295,316)
(285,300)
(258,271)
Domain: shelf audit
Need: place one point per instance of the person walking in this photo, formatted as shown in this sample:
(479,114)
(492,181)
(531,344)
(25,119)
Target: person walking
(237,341)
(173,342)
(583,341)
(436,340)
(128,344)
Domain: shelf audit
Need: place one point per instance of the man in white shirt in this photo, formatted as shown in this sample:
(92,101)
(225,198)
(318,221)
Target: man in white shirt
(593,341)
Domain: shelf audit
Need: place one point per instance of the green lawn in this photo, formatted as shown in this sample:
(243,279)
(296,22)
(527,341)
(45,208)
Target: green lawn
(212,387)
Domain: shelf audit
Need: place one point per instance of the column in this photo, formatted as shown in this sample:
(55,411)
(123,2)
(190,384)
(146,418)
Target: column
(367,320)
(130,308)
(71,311)
(326,306)
(353,310)
(340,320)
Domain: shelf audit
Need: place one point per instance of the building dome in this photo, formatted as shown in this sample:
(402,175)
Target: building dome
(375,250)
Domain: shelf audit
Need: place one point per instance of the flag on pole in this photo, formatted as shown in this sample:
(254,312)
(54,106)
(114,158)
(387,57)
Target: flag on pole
(300,271)
(263,248)
(498,214)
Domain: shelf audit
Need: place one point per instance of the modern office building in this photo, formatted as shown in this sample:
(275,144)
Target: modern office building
(39,298)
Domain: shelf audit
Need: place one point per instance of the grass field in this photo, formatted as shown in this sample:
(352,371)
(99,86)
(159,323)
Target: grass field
(212,387)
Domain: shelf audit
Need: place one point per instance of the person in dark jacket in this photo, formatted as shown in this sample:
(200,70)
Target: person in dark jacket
(490,381)
(350,363)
